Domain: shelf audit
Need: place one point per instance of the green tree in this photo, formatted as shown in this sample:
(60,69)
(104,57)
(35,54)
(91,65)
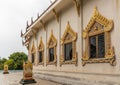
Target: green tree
(2,61)
(10,64)
(18,58)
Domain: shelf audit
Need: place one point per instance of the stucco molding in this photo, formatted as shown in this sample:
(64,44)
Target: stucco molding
(41,49)
(77,5)
(55,15)
(107,26)
(52,43)
(33,49)
(69,36)
(43,24)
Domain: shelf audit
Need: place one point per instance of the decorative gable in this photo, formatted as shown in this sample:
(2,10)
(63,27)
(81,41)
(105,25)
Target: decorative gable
(69,35)
(52,41)
(98,24)
(41,45)
(33,50)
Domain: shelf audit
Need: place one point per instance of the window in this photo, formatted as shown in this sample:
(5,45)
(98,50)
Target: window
(51,54)
(41,52)
(51,46)
(98,47)
(68,43)
(40,56)
(33,53)
(68,51)
(32,58)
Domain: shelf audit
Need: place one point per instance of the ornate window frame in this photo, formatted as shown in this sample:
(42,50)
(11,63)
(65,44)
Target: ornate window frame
(107,28)
(41,49)
(52,43)
(33,51)
(69,36)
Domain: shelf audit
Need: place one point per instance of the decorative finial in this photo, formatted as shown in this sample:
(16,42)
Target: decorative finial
(95,11)
(31,20)
(22,42)
(95,8)
(21,33)
(41,38)
(38,15)
(51,2)
(27,26)
(68,25)
(52,31)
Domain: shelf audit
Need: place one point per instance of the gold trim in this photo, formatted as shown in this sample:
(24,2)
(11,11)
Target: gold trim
(43,24)
(77,5)
(41,49)
(69,36)
(33,51)
(89,31)
(52,43)
(34,33)
(56,15)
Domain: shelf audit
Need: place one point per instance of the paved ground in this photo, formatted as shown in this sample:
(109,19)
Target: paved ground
(14,79)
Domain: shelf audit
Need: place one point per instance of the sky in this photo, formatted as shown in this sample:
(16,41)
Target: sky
(13,17)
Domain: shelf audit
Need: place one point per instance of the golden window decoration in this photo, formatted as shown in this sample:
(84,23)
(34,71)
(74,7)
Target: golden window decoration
(68,45)
(33,53)
(51,46)
(41,52)
(98,47)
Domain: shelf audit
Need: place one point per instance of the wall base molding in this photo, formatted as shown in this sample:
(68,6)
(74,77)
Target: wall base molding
(78,79)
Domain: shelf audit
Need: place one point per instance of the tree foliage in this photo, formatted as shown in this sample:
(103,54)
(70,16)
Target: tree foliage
(2,61)
(15,61)
(10,64)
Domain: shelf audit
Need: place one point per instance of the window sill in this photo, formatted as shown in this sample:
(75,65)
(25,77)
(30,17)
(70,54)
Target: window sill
(41,63)
(99,60)
(52,63)
(69,62)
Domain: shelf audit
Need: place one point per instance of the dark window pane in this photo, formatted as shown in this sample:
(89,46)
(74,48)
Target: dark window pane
(101,46)
(40,56)
(93,47)
(32,58)
(68,51)
(51,54)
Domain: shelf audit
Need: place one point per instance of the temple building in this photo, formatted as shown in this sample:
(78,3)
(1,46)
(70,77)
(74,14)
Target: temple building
(76,42)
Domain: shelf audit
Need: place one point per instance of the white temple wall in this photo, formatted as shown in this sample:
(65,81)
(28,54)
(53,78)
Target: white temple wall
(107,8)
(69,15)
(41,34)
(53,26)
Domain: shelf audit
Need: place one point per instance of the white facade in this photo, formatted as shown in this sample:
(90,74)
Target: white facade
(56,23)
